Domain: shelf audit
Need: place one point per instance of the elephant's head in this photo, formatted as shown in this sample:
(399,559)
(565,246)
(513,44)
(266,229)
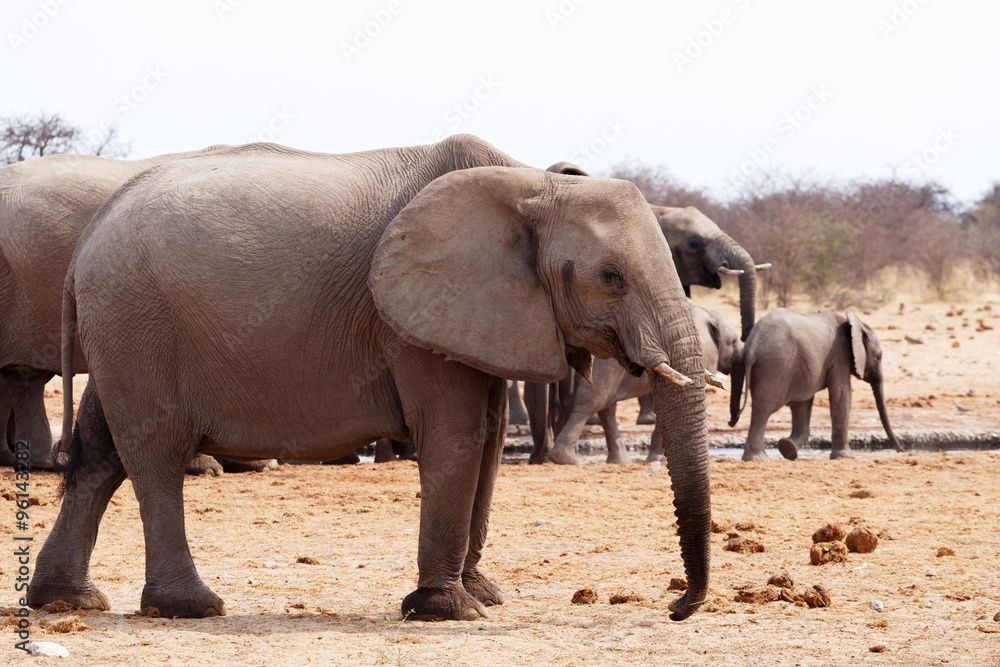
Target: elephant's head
(702,251)
(866,364)
(506,269)
(722,349)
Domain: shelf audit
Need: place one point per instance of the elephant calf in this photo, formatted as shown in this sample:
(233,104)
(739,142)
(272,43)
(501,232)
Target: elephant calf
(791,356)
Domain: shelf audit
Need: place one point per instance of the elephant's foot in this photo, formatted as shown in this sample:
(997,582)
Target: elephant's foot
(203,464)
(482,588)
(646,418)
(443,604)
(754,456)
(617,456)
(788,449)
(259,465)
(563,456)
(41,593)
(348,460)
(203,603)
(6,455)
(845,453)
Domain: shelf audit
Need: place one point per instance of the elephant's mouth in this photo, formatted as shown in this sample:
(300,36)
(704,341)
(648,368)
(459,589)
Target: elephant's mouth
(619,354)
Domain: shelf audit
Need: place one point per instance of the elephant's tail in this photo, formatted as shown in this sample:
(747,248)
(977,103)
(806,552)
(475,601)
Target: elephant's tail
(68,342)
(738,399)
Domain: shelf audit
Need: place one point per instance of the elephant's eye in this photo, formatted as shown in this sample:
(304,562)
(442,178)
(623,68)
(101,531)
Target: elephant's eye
(696,244)
(613,278)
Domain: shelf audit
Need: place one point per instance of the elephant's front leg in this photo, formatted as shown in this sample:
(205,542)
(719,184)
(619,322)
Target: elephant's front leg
(458,439)
(564,451)
(476,584)
(840,413)
(801,413)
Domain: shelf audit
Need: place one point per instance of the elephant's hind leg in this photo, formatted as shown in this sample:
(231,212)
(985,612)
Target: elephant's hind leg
(801,413)
(617,452)
(155,454)
(8,435)
(646,413)
(475,583)
(62,571)
(27,393)
(753,450)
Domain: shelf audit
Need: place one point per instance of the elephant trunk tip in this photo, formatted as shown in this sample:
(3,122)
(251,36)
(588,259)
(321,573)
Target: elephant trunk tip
(681,608)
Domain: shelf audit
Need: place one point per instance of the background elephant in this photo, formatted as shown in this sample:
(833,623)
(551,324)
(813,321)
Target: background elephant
(255,301)
(702,252)
(518,413)
(791,356)
(44,206)
(721,350)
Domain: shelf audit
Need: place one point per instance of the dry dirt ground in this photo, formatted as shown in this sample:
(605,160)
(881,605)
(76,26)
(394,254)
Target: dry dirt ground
(313,561)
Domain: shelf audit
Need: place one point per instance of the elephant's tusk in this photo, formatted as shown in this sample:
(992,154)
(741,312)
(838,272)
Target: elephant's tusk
(669,373)
(714,380)
(763,267)
(726,271)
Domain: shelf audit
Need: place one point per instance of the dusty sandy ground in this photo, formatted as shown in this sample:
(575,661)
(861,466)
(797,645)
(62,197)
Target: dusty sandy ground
(556,530)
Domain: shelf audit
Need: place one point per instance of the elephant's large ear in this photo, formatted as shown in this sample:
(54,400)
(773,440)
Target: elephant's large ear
(567,168)
(858,350)
(455,272)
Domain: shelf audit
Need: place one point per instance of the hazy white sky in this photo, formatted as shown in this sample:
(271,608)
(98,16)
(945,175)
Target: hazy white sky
(713,90)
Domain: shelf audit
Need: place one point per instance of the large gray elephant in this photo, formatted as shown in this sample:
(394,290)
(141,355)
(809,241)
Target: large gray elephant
(791,356)
(721,350)
(44,206)
(253,302)
(702,252)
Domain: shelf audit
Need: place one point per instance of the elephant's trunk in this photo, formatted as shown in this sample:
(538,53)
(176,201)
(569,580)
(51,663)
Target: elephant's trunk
(883,413)
(680,416)
(736,257)
(736,395)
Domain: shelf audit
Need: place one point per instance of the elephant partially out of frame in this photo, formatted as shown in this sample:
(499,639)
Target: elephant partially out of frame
(791,356)
(265,301)
(720,344)
(44,206)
